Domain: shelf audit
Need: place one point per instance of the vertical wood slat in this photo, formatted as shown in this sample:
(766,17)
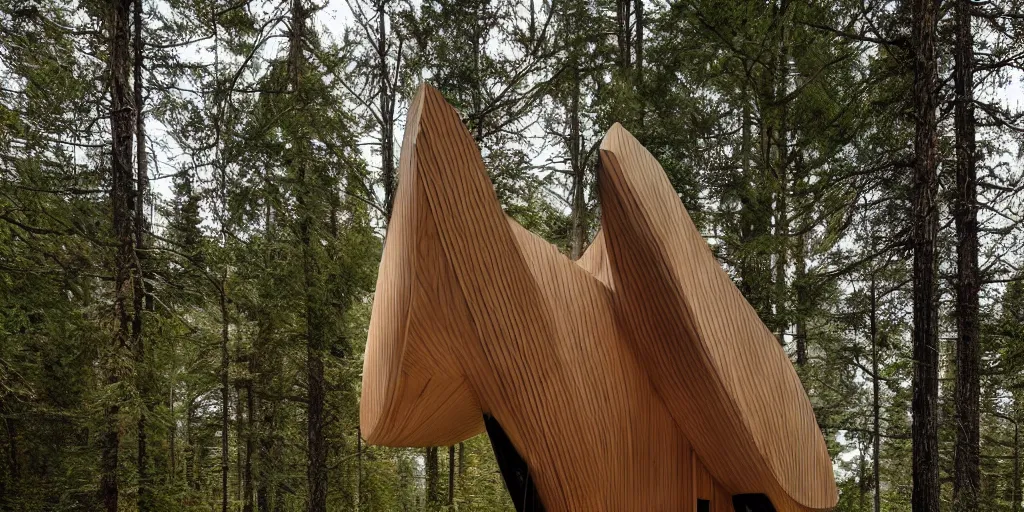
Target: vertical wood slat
(595,368)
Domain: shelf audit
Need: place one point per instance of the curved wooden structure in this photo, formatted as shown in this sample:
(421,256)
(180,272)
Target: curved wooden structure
(636,378)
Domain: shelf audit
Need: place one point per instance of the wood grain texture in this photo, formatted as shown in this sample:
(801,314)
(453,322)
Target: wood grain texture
(636,378)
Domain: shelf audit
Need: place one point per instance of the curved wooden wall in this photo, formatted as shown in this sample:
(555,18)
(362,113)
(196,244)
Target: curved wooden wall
(636,378)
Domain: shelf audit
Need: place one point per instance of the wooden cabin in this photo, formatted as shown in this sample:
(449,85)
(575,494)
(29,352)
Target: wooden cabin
(634,378)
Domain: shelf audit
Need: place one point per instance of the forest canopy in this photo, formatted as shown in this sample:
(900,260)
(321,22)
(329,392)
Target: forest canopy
(194,197)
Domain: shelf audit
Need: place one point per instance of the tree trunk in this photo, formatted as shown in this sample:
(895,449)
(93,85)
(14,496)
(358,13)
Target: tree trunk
(239,433)
(578,234)
(451,475)
(121,197)
(624,33)
(142,184)
(431,469)
(316,473)
(250,406)
(862,478)
(754,216)
(477,116)
(876,409)
(225,398)
(1016,486)
(638,41)
(967,450)
(260,415)
(782,178)
(190,469)
(262,498)
(924,215)
(267,452)
(225,362)
(802,306)
(387,114)
(359,468)
(172,433)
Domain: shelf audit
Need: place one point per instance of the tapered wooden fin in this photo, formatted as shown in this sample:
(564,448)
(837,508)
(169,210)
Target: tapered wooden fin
(635,378)
(414,390)
(702,344)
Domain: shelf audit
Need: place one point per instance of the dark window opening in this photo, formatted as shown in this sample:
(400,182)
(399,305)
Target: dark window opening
(752,503)
(513,468)
(703,506)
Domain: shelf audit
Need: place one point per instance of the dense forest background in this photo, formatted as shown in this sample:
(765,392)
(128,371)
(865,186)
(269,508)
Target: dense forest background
(194,195)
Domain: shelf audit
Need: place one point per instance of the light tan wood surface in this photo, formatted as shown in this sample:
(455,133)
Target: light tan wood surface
(636,378)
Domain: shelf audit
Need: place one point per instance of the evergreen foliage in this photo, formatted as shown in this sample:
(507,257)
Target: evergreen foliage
(194,195)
